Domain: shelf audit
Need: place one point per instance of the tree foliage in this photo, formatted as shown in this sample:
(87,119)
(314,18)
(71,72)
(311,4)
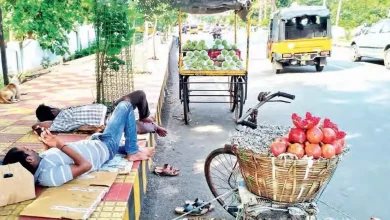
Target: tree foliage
(353,12)
(48,20)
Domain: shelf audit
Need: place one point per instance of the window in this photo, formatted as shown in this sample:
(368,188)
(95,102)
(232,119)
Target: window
(375,28)
(386,27)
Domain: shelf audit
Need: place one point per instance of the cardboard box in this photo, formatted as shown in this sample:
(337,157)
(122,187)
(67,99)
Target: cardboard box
(77,199)
(16,184)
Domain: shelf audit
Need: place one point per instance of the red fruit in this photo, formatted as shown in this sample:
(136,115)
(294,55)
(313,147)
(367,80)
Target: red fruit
(314,135)
(328,151)
(307,123)
(278,148)
(329,135)
(284,140)
(338,145)
(297,135)
(328,124)
(296,149)
(313,150)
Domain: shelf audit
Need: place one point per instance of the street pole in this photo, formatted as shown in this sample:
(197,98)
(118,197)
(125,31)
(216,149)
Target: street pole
(338,13)
(3,51)
(324,3)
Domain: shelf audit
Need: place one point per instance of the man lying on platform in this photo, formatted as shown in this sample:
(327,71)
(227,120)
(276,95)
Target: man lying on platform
(63,162)
(94,116)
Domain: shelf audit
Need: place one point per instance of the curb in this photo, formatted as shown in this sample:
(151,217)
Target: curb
(143,168)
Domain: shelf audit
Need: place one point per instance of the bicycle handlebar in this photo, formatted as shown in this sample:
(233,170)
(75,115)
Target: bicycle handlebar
(286,95)
(262,99)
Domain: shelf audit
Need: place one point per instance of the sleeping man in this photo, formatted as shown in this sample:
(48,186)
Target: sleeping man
(63,162)
(95,116)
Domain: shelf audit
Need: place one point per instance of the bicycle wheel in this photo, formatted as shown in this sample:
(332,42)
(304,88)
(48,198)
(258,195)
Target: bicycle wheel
(239,99)
(221,171)
(232,94)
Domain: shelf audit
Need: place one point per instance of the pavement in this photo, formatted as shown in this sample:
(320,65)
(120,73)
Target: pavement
(354,95)
(73,84)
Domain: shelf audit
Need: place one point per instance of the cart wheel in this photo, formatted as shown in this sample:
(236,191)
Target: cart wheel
(185,100)
(222,171)
(232,84)
(239,100)
(181,88)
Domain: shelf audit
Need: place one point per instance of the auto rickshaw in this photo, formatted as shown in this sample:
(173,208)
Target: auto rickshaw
(193,29)
(299,36)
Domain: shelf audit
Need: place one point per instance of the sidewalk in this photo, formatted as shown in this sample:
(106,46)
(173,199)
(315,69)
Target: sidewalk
(72,84)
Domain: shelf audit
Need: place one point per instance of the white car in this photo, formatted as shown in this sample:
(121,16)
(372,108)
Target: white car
(374,43)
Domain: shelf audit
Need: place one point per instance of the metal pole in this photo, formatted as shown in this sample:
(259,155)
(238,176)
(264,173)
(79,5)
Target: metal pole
(235,27)
(180,53)
(338,13)
(3,51)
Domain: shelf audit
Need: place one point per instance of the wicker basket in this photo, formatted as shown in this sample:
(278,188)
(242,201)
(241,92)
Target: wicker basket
(285,180)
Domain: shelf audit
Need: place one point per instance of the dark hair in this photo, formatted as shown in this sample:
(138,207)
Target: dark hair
(44,113)
(15,155)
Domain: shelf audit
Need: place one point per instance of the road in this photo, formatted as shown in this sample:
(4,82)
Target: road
(355,95)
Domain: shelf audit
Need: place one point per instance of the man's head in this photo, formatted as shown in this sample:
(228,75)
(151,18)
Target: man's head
(46,113)
(29,159)
(217,24)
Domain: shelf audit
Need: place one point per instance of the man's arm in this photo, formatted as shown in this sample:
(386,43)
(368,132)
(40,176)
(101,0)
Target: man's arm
(81,165)
(45,124)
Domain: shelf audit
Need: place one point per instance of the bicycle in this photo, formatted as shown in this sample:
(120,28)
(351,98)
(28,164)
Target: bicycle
(229,200)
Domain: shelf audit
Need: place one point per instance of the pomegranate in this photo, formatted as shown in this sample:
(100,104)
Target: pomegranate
(297,135)
(314,135)
(329,135)
(278,148)
(313,150)
(296,149)
(284,140)
(328,151)
(338,145)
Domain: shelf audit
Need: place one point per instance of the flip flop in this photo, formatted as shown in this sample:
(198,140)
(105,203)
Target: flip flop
(192,210)
(166,170)
(198,203)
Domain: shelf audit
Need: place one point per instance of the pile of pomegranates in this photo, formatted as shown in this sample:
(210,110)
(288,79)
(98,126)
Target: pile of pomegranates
(310,138)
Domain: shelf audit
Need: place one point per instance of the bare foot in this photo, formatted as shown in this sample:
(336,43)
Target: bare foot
(147,120)
(162,132)
(137,157)
(148,151)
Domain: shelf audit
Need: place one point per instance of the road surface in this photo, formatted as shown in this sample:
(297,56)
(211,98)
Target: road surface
(355,95)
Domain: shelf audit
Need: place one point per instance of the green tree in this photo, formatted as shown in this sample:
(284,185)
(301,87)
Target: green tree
(48,21)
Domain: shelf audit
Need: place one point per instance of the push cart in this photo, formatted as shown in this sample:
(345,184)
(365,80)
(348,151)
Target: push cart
(236,84)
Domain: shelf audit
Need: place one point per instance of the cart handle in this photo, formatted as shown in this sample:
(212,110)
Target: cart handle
(263,98)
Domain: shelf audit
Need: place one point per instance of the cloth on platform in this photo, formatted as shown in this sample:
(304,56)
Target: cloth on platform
(118,164)
(72,118)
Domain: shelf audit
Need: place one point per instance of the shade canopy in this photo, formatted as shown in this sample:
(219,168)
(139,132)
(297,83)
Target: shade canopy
(214,6)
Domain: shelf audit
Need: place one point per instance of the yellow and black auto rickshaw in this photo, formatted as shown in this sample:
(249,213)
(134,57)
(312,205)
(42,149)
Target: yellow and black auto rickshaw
(299,36)
(193,29)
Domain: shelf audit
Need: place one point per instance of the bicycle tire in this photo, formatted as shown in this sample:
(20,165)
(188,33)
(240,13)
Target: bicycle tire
(209,180)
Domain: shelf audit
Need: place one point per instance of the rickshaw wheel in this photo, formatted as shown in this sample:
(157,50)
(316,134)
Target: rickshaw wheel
(239,99)
(319,68)
(185,100)
(274,69)
(232,93)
